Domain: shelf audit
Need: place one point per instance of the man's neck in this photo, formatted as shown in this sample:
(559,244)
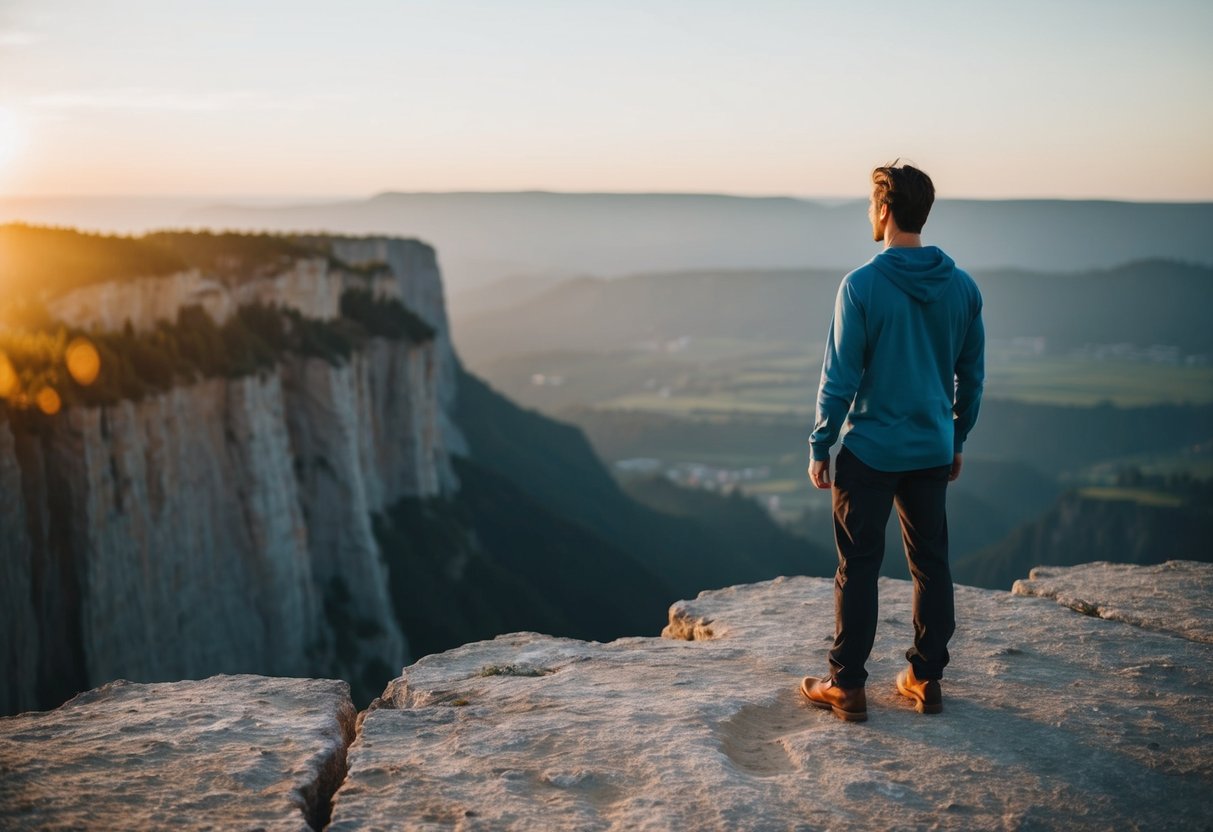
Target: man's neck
(896,238)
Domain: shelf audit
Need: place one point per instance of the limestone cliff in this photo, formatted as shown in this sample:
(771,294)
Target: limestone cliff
(223,525)
(1093,712)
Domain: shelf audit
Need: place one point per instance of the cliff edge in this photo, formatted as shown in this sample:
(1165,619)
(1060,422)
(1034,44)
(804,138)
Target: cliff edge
(1054,718)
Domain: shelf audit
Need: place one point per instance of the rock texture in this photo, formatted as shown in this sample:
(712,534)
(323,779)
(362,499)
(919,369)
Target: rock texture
(230,752)
(423,293)
(1052,720)
(223,526)
(1174,597)
(18,620)
(307,284)
(176,502)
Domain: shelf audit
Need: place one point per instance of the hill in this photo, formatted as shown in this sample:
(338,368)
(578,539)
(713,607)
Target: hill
(679,540)
(487,236)
(1144,302)
(1147,520)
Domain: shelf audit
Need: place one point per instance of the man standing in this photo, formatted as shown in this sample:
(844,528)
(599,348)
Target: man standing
(901,381)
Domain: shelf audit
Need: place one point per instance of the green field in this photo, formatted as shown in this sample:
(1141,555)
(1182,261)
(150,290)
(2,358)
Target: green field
(778,383)
(720,377)
(1078,382)
(1141,496)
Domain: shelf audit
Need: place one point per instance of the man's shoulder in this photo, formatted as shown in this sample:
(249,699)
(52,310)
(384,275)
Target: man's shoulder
(861,275)
(967,280)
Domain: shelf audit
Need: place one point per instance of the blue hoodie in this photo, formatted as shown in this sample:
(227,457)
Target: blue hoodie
(905,363)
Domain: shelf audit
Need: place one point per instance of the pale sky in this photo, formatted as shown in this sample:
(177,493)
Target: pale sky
(1071,99)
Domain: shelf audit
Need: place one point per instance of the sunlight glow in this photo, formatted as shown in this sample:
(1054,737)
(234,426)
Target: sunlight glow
(10,135)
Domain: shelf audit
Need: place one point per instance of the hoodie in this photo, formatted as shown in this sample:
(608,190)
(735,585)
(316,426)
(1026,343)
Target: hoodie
(905,362)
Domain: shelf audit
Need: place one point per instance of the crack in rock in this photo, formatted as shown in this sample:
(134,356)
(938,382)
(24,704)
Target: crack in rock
(331,765)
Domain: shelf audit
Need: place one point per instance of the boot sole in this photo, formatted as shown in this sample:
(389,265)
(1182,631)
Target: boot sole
(845,716)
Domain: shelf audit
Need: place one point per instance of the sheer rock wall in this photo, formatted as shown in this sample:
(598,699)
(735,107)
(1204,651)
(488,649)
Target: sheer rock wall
(222,526)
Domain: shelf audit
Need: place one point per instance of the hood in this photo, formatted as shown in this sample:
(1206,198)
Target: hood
(922,273)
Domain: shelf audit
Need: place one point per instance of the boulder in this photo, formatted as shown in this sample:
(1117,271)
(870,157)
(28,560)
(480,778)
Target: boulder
(228,752)
(1174,597)
(1052,720)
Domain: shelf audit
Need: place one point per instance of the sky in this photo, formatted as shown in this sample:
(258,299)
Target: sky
(1069,99)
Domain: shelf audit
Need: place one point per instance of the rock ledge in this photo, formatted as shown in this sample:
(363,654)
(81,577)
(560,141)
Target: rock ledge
(1052,720)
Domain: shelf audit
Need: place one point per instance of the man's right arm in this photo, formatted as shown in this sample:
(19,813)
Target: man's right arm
(841,370)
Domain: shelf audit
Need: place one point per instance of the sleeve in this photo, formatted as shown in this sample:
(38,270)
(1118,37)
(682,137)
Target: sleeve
(970,379)
(841,369)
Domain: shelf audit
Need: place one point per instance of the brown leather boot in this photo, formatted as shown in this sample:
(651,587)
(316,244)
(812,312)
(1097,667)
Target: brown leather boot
(924,693)
(850,704)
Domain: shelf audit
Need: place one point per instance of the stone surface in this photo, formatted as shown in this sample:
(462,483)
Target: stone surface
(230,752)
(1052,720)
(1174,597)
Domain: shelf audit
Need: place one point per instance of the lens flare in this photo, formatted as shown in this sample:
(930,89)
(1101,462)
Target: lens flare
(48,401)
(8,377)
(83,361)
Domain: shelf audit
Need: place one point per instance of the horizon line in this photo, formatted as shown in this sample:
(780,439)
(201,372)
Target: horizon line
(285,200)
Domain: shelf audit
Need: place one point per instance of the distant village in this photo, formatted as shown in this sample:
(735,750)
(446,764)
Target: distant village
(705,477)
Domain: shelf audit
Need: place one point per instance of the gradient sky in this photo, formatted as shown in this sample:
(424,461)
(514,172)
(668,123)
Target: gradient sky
(1069,99)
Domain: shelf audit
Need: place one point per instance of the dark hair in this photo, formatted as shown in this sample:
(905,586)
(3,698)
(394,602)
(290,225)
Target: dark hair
(907,191)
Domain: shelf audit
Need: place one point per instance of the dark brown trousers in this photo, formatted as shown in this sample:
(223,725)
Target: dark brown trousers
(863,498)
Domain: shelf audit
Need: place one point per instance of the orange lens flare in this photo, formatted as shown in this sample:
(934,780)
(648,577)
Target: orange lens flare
(83,361)
(48,401)
(9,382)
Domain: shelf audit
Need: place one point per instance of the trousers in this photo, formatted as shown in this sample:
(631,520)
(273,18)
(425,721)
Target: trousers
(862,500)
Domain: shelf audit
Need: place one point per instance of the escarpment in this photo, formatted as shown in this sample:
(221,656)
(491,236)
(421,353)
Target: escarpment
(222,524)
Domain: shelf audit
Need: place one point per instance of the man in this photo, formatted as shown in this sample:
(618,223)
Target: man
(901,381)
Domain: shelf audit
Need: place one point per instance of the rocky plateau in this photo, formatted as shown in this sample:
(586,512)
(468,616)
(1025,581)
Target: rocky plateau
(1081,700)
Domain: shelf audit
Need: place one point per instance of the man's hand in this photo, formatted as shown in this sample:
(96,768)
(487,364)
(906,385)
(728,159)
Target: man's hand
(956,463)
(819,472)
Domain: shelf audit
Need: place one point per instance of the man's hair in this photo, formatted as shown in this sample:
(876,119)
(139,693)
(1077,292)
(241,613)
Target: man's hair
(907,191)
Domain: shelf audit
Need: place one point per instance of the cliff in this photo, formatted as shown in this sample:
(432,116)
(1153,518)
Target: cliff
(281,469)
(1053,719)
(224,525)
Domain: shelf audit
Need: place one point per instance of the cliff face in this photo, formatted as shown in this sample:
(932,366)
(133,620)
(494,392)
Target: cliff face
(423,294)
(310,285)
(222,526)
(19,633)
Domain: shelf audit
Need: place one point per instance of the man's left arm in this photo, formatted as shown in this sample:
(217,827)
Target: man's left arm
(970,381)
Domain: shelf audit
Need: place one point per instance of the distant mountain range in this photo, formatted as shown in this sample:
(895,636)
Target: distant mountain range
(487,236)
(1145,302)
